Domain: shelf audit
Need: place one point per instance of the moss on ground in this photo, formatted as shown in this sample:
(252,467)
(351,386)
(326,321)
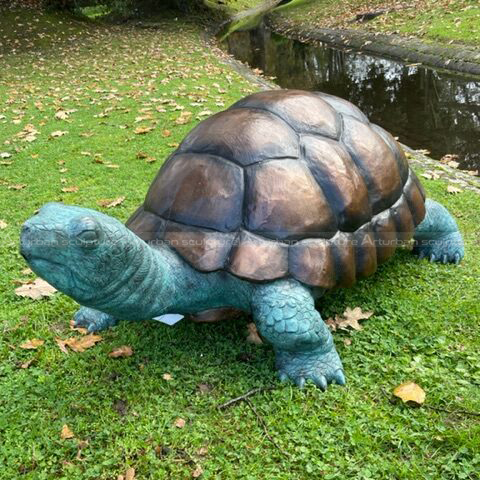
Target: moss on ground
(122,411)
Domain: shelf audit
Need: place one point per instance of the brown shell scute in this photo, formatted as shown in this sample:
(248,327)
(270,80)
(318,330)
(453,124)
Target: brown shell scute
(306,112)
(341,182)
(285,202)
(174,195)
(244,136)
(375,160)
(285,184)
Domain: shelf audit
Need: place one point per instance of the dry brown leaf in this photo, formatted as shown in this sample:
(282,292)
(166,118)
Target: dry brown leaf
(143,130)
(66,433)
(130,474)
(78,344)
(27,271)
(166,133)
(32,344)
(197,472)
(351,317)
(179,423)
(202,451)
(58,133)
(120,352)
(453,189)
(3,224)
(81,330)
(253,336)
(37,289)
(184,118)
(167,376)
(70,189)
(111,203)
(27,363)
(410,392)
(17,186)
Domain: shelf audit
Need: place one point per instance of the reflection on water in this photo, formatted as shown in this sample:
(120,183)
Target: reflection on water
(425,108)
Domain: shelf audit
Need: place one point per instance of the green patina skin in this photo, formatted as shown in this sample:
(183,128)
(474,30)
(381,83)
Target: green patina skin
(114,275)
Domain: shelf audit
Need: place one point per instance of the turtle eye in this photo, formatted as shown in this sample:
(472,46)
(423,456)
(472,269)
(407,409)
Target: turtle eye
(88,238)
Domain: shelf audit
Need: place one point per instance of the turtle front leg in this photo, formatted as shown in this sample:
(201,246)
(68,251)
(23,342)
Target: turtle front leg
(93,320)
(285,315)
(437,237)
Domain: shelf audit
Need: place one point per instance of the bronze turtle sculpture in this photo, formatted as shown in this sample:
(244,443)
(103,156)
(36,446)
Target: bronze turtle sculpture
(261,208)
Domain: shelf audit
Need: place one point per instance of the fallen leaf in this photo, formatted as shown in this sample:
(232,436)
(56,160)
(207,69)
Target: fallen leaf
(66,433)
(165,133)
(27,363)
(347,342)
(70,189)
(111,203)
(253,336)
(123,351)
(32,344)
(197,472)
(143,130)
(350,318)
(184,118)
(410,392)
(18,186)
(27,271)
(453,189)
(202,451)
(179,423)
(37,289)
(81,330)
(58,133)
(78,344)
(167,376)
(204,388)
(5,155)
(3,225)
(130,474)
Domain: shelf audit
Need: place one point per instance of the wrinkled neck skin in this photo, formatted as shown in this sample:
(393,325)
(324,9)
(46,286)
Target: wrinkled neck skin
(158,281)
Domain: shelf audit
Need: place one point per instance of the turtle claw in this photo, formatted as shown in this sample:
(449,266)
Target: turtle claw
(339,377)
(93,320)
(283,377)
(432,258)
(446,249)
(457,258)
(321,367)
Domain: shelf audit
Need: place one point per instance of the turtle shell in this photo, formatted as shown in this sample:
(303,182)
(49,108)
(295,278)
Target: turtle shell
(284,183)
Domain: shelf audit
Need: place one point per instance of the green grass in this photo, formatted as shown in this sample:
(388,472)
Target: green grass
(441,21)
(425,326)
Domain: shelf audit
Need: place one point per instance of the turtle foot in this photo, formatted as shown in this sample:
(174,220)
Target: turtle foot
(93,320)
(446,249)
(321,367)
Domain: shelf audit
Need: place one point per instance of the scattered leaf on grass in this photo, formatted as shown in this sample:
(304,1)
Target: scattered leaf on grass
(110,203)
(26,364)
(197,472)
(58,133)
(179,423)
(184,118)
(5,155)
(253,336)
(27,271)
(165,133)
(81,330)
(143,130)
(32,344)
(17,186)
(349,318)
(202,451)
(3,225)
(453,189)
(123,351)
(66,433)
(37,289)
(410,392)
(130,474)
(167,376)
(204,388)
(78,344)
(70,189)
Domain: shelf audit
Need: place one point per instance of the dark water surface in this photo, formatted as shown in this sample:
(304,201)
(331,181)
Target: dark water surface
(424,107)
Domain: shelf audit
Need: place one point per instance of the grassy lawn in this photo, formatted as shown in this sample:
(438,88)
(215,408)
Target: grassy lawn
(435,20)
(110,82)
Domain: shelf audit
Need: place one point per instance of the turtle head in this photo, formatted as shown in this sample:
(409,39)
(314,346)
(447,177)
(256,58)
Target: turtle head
(77,250)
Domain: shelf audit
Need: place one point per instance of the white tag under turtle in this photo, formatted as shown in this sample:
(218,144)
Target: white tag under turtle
(169,318)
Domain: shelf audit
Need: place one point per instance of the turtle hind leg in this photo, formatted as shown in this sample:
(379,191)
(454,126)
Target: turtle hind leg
(437,237)
(93,320)
(285,315)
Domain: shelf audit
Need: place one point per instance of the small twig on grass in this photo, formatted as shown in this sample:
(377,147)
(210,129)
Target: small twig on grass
(265,428)
(244,397)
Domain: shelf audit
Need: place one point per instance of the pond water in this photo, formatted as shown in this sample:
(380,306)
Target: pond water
(424,107)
